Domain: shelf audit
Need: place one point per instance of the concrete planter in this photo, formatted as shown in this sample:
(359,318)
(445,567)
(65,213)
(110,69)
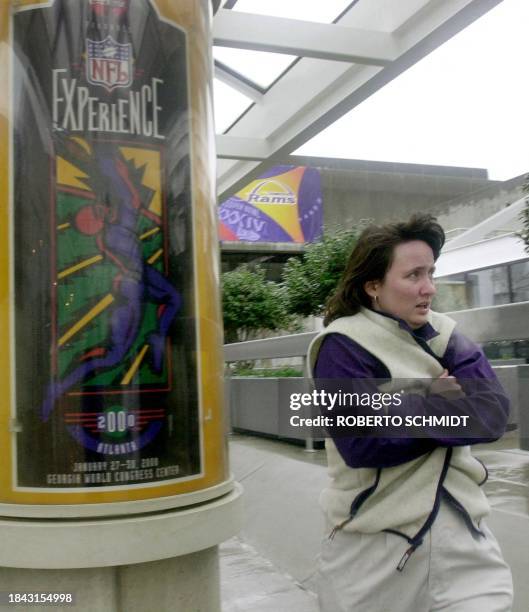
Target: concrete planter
(262,405)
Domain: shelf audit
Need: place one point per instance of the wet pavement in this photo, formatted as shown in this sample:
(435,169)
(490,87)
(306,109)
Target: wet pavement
(508,484)
(251,582)
(270,565)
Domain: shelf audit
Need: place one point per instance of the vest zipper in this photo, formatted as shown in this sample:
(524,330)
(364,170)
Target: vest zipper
(357,503)
(405,557)
(417,539)
(465,515)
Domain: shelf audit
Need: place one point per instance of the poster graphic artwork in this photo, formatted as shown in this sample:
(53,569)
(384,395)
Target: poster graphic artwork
(110,242)
(105,336)
(282,205)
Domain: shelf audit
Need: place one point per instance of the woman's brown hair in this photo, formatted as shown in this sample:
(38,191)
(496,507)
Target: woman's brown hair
(372,257)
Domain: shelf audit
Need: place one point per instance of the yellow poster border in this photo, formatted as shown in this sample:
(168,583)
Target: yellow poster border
(193,20)
(5,290)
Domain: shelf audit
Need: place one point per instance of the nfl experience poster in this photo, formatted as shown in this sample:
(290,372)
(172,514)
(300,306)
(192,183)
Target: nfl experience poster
(104,327)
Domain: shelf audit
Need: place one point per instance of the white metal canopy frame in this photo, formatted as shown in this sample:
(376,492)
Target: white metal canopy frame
(340,65)
(493,242)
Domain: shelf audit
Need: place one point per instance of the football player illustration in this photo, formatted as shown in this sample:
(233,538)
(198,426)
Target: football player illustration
(112,219)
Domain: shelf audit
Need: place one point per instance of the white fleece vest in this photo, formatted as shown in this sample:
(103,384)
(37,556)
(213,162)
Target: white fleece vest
(405,493)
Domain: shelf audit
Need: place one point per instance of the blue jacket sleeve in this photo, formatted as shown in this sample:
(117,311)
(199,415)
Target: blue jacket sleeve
(340,357)
(485,403)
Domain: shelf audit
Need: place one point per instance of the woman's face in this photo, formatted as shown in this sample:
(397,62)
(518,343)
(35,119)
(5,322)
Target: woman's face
(407,289)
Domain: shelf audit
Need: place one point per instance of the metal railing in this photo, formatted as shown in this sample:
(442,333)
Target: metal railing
(494,323)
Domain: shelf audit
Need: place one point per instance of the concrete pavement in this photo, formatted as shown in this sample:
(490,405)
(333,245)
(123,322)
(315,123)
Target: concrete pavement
(270,566)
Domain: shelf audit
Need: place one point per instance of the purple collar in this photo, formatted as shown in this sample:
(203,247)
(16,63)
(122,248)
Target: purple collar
(426,332)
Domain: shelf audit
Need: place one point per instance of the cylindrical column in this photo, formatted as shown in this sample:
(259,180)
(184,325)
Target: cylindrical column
(181,583)
(111,370)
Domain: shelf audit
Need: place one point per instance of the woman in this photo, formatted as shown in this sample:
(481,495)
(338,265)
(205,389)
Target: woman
(405,514)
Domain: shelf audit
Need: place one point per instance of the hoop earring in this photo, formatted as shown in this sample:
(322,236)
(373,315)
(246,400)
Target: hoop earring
(376,300)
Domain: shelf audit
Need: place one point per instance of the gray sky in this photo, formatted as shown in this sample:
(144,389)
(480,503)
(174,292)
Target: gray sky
(466,104)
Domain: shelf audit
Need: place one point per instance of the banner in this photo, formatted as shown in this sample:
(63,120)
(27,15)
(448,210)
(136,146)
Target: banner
(105,338)
(282,205)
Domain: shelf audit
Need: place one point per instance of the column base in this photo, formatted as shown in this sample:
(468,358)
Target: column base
(188,582)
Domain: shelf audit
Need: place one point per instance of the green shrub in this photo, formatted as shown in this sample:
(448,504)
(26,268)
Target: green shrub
(251,304)
(285,372)
(309,281)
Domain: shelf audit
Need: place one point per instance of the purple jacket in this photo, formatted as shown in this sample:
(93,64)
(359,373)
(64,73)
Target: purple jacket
(341,357)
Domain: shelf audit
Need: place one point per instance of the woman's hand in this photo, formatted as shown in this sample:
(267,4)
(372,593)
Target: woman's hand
(447,386)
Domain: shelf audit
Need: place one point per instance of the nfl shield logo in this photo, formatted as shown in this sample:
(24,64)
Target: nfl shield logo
(108,63)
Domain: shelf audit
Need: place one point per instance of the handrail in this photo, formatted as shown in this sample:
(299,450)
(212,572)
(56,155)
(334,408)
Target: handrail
(493,323)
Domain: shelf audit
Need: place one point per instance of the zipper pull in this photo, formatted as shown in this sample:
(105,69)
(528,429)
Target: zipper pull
(339,526)
(405,558)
